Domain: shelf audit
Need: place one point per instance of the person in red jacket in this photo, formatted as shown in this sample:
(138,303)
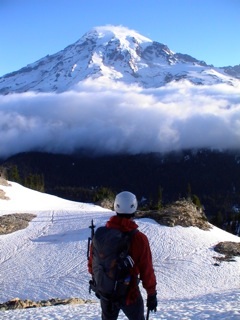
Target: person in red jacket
(125,205)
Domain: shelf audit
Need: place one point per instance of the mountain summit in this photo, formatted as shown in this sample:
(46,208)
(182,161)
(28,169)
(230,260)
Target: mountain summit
(116,53)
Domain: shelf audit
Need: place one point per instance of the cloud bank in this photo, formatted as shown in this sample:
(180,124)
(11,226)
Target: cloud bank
(107,117)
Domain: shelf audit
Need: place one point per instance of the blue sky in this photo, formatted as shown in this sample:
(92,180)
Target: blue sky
(206,29)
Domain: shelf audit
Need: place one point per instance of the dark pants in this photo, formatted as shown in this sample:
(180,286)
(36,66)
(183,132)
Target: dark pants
(134,311)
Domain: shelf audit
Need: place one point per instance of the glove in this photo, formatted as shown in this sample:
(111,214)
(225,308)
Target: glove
(152,302)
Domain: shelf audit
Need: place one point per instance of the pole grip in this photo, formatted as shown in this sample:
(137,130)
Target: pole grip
(88,248)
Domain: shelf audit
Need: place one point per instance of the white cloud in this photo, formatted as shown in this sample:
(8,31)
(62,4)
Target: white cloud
(111,117)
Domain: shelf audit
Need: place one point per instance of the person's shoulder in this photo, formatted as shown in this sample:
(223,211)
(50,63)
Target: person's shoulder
(140,236)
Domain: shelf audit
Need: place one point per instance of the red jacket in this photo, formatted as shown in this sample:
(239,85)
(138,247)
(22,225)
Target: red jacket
(141,254)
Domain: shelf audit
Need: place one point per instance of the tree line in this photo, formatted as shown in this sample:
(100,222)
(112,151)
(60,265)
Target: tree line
(210,179)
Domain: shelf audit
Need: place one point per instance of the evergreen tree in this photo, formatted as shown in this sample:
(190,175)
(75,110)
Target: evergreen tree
(35,182)
(219,219)
(14,174)
(196,201)
(160,197)
(103,193)
(189,191)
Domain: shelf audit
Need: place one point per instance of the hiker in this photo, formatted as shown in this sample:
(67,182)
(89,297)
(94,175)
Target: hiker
(140,259)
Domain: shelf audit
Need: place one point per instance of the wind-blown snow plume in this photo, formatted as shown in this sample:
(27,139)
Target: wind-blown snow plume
(109,117)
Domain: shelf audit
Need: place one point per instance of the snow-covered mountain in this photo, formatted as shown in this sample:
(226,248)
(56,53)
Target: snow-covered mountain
(119,54)
(48,260)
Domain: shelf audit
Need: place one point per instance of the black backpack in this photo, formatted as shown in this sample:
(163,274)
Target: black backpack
(111,263)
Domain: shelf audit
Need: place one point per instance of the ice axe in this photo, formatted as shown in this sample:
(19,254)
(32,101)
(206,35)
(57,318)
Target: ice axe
(92,226)
(148,311)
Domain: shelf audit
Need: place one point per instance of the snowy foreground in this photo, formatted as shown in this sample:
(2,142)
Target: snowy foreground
(48,260)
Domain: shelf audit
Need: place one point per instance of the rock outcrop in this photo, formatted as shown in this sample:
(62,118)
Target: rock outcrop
(228,249)
(180,213)
(13,222)
(17,303)
(3,182)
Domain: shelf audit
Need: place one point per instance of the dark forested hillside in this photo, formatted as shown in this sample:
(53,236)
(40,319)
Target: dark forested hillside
(212,176)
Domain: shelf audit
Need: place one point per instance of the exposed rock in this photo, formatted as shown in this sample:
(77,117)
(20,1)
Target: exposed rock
(3,182)
(3,196)
(228,248)
(106,203)
(181,213)
(13,222)
(17,303)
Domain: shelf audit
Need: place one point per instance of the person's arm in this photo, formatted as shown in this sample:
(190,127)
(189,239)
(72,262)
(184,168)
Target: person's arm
(143,256)
(146,270)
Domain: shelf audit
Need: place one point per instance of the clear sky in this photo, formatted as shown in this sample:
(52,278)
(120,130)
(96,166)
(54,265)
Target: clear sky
(205,29)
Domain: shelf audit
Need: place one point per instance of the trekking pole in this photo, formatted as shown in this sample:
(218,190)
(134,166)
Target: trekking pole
(148,311)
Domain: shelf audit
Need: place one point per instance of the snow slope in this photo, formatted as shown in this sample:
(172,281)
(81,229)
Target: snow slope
(48,260)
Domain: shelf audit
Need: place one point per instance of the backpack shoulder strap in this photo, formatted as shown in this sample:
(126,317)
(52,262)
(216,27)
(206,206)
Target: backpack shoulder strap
(131,233)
